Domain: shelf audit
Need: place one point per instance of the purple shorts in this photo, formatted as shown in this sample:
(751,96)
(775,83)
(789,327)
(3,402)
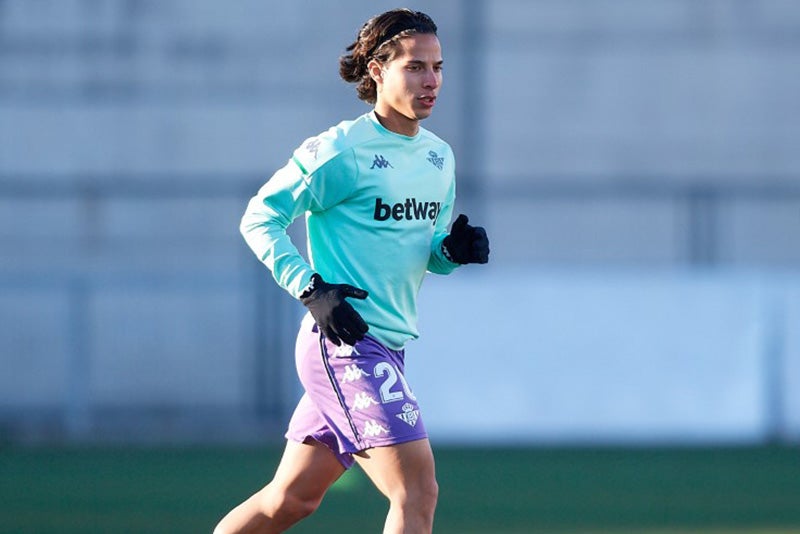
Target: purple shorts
(356,397)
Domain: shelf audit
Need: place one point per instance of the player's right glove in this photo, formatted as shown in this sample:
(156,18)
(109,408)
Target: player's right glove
(335,317)
(465,243)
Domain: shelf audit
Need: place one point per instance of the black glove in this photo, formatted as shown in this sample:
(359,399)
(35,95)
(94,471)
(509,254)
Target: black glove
(335,317)
(466,244)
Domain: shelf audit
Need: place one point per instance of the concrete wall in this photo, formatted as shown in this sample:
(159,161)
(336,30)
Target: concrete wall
(609,357)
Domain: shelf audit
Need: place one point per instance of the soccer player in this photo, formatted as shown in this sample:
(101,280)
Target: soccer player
(378,194)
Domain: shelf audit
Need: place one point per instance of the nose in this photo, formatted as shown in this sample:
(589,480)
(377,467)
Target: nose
(432,79)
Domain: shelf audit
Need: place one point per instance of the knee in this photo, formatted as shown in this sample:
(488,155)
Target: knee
(289,507)
(429,494)
(420,497)
(271,509)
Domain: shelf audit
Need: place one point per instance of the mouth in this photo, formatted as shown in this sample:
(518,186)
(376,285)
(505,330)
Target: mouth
(427,100)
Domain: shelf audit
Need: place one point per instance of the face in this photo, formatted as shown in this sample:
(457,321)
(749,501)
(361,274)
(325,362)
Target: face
(408,84)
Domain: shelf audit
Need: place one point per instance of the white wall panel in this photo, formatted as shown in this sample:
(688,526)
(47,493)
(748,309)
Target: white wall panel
(35,348)
(168,349)
(523,355)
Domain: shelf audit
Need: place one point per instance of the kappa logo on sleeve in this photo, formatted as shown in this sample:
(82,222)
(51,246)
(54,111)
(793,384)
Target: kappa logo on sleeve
(313,147)
(408,210)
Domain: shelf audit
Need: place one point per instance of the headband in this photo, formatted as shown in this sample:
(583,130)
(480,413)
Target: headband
(388,37)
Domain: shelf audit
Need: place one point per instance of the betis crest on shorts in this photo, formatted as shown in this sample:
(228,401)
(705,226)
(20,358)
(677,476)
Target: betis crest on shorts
(409,415)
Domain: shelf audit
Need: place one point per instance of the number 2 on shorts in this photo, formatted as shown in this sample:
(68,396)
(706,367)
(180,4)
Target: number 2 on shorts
(387,395)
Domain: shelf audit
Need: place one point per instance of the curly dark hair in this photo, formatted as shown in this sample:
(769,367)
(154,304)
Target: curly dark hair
(377,39)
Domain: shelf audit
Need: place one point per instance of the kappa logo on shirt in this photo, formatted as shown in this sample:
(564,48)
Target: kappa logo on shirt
(380,162)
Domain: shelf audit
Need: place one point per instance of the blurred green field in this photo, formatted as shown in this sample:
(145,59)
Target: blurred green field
(483,490)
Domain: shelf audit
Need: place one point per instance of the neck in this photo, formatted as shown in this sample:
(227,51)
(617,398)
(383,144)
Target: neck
(397,123)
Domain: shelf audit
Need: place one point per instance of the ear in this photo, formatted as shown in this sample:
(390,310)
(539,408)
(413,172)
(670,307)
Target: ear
(375,71)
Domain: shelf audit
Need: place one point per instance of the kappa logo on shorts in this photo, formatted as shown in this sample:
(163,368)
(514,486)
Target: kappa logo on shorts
(344,351)
(363,400)
(352,373)
(372,429)
(409,415)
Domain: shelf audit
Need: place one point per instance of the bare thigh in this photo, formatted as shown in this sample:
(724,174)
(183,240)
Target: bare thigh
(400,468)
(307,470)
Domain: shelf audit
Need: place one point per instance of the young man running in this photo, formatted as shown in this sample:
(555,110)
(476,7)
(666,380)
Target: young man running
(378,194)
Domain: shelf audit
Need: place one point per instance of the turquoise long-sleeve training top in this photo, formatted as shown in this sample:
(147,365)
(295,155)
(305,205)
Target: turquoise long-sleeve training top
(377,206)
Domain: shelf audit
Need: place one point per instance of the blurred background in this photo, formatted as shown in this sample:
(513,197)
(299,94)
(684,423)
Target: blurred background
(636,165)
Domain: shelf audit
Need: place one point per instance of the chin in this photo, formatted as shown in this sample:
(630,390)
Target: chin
(423,114)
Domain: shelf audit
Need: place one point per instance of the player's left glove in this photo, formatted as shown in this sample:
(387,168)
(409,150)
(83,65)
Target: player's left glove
(465,243)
